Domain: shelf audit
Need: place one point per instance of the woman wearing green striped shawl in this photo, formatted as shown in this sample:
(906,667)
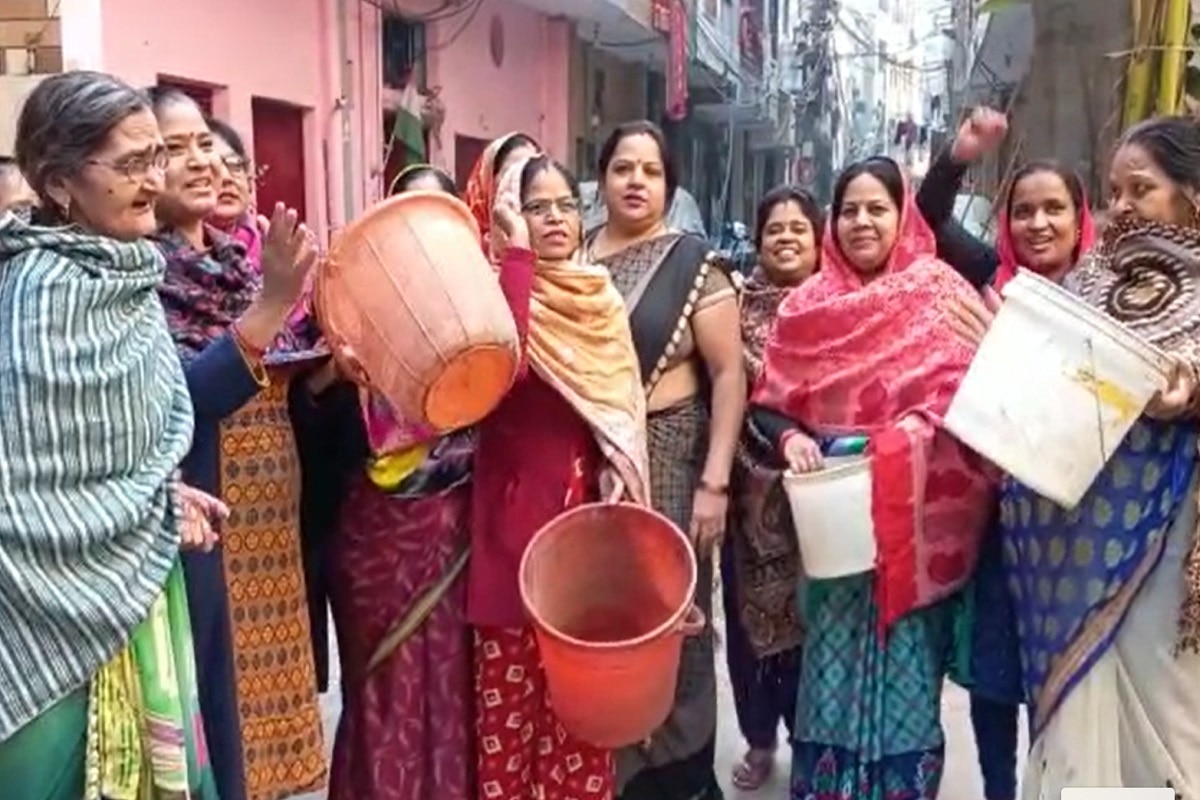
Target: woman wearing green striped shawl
(97,689)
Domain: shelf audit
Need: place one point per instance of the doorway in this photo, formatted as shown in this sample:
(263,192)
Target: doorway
(467,150)
(279,155)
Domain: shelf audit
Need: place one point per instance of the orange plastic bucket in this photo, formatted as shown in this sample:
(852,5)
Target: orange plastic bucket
(609,588)
(412,308)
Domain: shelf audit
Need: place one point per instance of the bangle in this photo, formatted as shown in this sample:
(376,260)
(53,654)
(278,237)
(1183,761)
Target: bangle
(720,490)
(244,344)
(251,357)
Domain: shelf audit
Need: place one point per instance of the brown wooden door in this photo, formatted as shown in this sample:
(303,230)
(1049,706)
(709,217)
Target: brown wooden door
(279,155)
(467,150)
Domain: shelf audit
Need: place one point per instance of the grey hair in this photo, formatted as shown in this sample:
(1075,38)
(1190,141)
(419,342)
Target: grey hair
(65,120)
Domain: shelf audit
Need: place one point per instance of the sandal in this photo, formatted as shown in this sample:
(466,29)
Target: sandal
(754,770)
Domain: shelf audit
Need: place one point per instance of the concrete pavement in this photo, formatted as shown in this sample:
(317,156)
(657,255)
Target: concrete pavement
(961,782)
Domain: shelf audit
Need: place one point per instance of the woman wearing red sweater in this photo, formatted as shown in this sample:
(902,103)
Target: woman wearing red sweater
(570,431)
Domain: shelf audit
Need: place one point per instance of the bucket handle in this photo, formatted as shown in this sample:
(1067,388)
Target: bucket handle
(693,622)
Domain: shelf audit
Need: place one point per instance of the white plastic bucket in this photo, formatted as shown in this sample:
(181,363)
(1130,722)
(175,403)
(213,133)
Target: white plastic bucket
(831,509)
(1055,387)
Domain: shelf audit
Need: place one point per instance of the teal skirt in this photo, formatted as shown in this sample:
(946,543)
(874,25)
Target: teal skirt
(45,760)
(868,720)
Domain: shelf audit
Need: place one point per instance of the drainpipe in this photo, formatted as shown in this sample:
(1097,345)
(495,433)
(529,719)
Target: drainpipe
(346,105)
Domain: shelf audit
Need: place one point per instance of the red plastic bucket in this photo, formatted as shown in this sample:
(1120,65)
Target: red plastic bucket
(609,587)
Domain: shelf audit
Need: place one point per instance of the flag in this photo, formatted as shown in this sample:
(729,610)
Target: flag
(408,131)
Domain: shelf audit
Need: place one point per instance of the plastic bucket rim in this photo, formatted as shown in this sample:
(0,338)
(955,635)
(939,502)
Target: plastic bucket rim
(674,621)
(1029,283)
(842,470)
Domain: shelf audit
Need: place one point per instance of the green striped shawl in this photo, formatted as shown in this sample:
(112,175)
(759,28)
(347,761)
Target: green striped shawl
(94,420)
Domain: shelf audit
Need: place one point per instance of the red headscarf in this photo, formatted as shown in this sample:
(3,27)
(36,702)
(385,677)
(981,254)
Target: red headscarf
(878,358)
(481,190)
(1006,252)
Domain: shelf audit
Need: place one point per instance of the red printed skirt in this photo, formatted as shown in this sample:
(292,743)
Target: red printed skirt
(524,752)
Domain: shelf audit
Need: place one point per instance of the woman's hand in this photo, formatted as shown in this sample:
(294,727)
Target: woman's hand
(980,134)
(201,514)
(971,317)
(289,252)
(1176,400)
(709,509)
(507,219)
(801,453)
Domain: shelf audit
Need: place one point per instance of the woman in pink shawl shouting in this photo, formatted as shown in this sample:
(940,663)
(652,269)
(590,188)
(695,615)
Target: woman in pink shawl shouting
(862,349)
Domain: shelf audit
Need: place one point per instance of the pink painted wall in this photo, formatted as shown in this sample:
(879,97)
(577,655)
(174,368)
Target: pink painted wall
(528,92)
(276,49)
(292,51)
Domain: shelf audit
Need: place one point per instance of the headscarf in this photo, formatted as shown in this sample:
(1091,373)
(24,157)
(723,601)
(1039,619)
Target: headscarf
(1146,276)
(761,299)
(94,420)
(245,230)
(877,358)
(764,553)
(204,292)
(481,193)
(580,343)
(1006,250)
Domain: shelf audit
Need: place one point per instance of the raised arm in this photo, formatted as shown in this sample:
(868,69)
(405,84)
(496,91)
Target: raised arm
(971,257)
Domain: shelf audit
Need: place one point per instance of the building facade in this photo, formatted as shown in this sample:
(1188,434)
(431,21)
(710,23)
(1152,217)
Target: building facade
(314,85)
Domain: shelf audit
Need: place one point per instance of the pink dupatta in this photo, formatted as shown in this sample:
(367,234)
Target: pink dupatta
(878,358)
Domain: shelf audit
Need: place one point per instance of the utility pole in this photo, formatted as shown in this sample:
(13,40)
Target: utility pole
(815,171)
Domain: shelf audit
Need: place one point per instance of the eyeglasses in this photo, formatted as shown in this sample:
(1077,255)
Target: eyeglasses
(236,165)
(542,208)
(136,166)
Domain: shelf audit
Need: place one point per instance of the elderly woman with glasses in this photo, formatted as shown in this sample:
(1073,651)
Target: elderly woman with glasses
(98,694)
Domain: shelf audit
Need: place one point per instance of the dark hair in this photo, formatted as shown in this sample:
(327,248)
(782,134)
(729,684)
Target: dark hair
(544,163)
(787,194)
(163,96)
(641,127)
(224,131)
(1068,177)
(882,169)
(511,144)
(408,177)
(1173,143)
(64,121)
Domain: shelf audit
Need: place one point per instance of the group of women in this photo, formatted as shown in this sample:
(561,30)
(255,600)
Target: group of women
(179,492)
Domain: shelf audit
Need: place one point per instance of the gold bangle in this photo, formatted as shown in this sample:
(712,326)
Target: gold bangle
(257,371)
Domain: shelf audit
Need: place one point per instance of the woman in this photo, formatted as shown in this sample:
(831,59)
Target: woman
(1110,654)
(406,730)
(684,315)
(759,564)
(97,685)
(1044,226)
(570,431)
(481,185)
(258,689)
(422,178)
(234,213)
(860,350)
